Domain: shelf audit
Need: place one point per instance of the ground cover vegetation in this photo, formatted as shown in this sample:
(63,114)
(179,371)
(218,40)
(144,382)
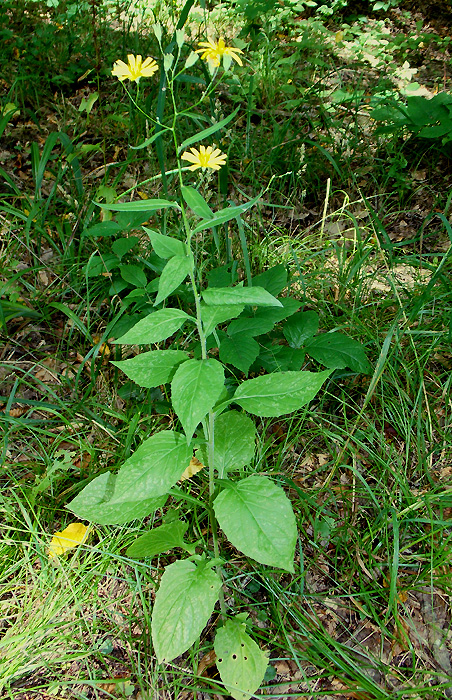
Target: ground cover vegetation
(226,359)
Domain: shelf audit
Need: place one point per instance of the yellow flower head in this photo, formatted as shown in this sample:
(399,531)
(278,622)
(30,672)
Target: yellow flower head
(135,69)
(215,50)
(205,158)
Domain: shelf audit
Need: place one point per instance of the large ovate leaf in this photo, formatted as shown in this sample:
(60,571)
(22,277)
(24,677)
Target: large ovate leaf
(240,662)
(240,350)
(183,604)
(300,327)
(337,351)
(153,468)
(151,369)
(196,202)
(196,387)
(93,503)
(273,395)
(213,315)
(165,246)
(173,274)
(255,296)
(159,540)
(235,435)
(156,327)
(133,275)
(257,517)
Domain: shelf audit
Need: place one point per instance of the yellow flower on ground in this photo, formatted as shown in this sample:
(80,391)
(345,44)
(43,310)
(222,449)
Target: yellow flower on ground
(205,158)
(135,69)
(73,535)
(215,50)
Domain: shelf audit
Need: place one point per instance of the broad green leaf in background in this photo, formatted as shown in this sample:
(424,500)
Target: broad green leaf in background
(183,604)
(254,296)
(220,217)
(140,205)
(165,246)
(93,503)
(158,326)
(273,280)
(300,327)
(196,386)
(273,395)
(213,315)
(280,358)
(250,325)
(150,369)
(257,518)
(235,436)
(133,275)
(337,351)
(240,350)
(159,540)
(174,273)
(196,202)
(240,662)
(288,307)
(122,246)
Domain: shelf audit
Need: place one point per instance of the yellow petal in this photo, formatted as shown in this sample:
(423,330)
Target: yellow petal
(73,535)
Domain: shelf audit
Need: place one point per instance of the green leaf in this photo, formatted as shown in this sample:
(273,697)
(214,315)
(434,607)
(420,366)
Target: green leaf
(254,296)
(93,503)
(250,325)
(273,280)
(151,369)
(282,392)
(174,273)
(165,246)
(257,517)
(288,307)
(105,228)
(337,351)
(158,326)
(235,436)
(195,388)
(205,133)
(300,327)
(140,205)
(158,540)
(183,604)
(220,217)
(122,246)
(153,468)
(213,315)
(196,202)
(133,275)
(240,662)
(240,350)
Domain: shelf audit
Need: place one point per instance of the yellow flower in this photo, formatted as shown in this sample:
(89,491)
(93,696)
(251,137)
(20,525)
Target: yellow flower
(205,158)
(70,537)
(214,51)
(135,69)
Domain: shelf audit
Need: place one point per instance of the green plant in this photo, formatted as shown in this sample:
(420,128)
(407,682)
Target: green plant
(425,118)
(253,511)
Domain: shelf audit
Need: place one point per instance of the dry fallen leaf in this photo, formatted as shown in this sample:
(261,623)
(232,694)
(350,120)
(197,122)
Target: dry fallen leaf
(193,468)
(73,535)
